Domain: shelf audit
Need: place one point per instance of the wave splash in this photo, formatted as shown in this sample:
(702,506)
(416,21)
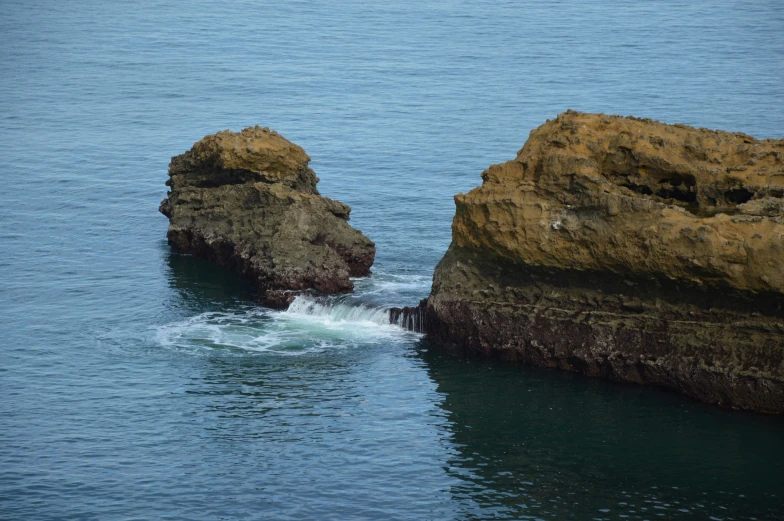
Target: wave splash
(339,312)
(310,324)
(407,318)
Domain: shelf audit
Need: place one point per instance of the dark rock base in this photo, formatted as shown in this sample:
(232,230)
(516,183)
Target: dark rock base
(276,288)
(718,347)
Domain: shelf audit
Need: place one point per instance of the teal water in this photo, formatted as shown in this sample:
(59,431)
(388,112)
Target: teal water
(140,384)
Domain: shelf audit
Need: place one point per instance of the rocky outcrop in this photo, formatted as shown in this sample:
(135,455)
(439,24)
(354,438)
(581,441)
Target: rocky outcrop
(248,201)
(626,249)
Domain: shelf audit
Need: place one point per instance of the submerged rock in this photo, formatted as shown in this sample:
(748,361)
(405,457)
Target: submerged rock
(248,201)
(626,249)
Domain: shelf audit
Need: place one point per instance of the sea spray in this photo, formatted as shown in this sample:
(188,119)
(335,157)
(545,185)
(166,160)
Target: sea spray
(310,324)
(408,318)
(338,311)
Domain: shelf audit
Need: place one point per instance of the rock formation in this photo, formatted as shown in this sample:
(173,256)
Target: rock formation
(248,201)
(627,249)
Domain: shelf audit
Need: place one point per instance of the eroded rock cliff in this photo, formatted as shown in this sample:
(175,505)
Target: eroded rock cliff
(628,249)
(248,201)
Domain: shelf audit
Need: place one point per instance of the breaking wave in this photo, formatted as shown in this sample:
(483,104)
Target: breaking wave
(311,324)
(336,312)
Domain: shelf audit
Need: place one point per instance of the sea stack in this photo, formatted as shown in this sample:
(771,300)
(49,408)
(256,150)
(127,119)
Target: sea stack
(627,249)
(248,201)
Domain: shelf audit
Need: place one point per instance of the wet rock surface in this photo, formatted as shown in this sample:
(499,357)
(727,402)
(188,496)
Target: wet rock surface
(248,201)
(626,249)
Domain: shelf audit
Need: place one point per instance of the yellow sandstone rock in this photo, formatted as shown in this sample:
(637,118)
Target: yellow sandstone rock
(626,249)
(595,192)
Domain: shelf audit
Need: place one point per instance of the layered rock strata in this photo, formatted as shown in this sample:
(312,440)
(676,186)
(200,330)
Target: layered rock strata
(626,249)
(248,201)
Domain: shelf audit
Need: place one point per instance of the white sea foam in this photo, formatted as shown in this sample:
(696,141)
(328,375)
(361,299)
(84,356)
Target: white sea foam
(395,283)
(310,324)
(338,313)
(243,330)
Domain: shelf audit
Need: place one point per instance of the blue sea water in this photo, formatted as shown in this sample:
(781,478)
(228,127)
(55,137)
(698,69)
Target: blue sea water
(140,384)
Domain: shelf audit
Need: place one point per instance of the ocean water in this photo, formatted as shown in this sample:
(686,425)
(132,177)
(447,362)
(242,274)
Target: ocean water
(136,383)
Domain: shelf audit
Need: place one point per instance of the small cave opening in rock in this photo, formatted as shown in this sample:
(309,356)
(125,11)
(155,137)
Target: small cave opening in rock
(738,195)
(640,189)
(679,188)
(686,195)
